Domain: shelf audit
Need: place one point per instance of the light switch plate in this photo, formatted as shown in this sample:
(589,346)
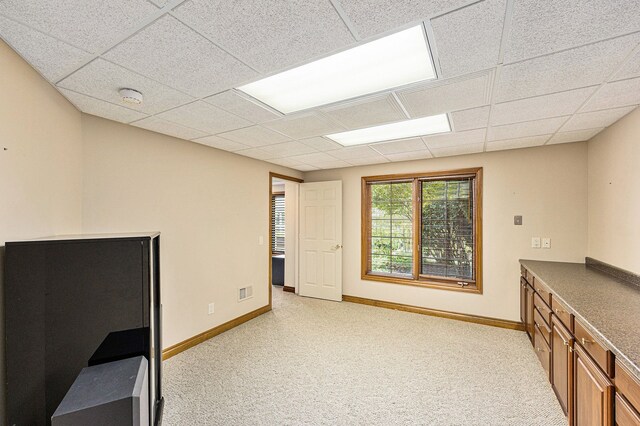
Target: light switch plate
(260,240)
(535,242)
(546,243)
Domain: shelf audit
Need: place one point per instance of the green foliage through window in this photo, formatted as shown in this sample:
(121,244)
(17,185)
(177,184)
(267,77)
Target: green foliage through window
(392,228)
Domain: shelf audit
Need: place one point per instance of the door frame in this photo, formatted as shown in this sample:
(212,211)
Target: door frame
(270,239)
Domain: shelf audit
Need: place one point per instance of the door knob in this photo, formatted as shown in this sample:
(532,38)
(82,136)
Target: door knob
(338,246)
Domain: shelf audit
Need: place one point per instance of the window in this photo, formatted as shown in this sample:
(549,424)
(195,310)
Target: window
(424,229)
(277,223)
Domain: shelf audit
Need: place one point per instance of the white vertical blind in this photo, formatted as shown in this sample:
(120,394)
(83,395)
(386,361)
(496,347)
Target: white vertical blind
(277,223)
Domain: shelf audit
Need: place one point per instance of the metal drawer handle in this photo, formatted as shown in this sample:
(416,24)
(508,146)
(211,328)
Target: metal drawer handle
(539,350)
(564,342)
(585,341)
(559,311)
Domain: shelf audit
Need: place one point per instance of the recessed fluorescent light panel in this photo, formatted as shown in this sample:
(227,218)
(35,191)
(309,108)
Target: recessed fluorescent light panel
(392,61)
(400,130)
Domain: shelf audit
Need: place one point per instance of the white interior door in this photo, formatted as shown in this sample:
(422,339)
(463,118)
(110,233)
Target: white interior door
(321,240)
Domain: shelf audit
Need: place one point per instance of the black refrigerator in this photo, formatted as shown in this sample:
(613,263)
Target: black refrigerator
(69,301)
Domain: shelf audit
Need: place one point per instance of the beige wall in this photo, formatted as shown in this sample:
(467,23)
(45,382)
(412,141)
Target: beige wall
(614,195)
(41,168)
(547,185)
(211,207)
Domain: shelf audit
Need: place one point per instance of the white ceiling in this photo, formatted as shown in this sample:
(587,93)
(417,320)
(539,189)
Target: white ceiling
(511,73)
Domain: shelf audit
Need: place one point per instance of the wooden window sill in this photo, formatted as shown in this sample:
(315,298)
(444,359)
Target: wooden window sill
(471,288)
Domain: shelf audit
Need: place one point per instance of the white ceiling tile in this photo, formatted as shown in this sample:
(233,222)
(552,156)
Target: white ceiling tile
(526,128)
(101,79)
(458,150)
(316,157)
(573,136)
(590,120)
(271,35)
(541,27)
(468,39)
(254,136)
(368,160)
(170,52)
(52,58)
(518,143)
(408,156)
(613,95)
(400,146)
(371,17)
(257,153)
(469,119)
(354,152)
(631,68)
(455,139)
(306,125)
(88,24)
(288,149)
(304,168)
(202,116)
(446,96)
(555,105)
(242,107)
(371,111)
(570,69)
(221,143)
(168,128)
(321,144)
(100,108)
(286,162)
(334,164)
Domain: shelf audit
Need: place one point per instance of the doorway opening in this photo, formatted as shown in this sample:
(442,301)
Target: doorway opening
(283,233)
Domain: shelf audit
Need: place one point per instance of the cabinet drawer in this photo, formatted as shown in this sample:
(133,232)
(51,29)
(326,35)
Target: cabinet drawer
(543,351)
(626,415)
(603,357)
(542,325)
(563,313)
(544,309)
(628,386)
(543,291)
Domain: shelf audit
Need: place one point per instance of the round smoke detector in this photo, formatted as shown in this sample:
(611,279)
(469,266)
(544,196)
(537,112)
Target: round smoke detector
(131,96)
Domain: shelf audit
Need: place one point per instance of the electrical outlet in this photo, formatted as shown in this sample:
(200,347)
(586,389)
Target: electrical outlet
(517,220)
(546,242)
(211,308)
(535,242)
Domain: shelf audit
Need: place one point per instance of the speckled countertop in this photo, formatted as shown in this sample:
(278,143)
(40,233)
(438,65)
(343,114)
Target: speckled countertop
(606,306)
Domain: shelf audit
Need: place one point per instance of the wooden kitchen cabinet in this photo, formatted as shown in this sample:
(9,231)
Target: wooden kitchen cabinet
(523,300)
(527,307)
(562,365)
(592,392)
(529,320)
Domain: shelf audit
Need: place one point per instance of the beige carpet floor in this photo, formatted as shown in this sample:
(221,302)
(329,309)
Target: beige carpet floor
(314,362)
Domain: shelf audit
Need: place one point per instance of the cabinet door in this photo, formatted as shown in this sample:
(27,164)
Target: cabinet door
(562,364)
(593,392)
(523,301)
(529,314)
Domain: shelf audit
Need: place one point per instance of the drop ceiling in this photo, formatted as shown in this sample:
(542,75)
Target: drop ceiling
(510,73)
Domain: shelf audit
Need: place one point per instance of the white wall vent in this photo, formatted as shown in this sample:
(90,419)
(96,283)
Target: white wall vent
(245,293)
